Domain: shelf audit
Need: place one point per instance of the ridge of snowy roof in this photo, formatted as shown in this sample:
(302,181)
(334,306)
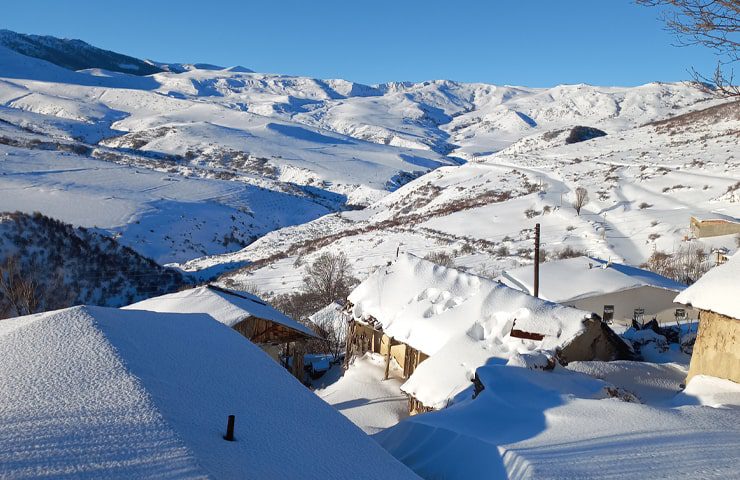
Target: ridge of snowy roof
(460,320)
(586,277)
(162,385)
(227,306)
(717,290)
(331,314)
(715,216)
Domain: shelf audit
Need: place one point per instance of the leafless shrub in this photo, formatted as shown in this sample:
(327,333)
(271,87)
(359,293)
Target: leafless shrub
(502,251)
(685,265)
(441,258)
(569,252)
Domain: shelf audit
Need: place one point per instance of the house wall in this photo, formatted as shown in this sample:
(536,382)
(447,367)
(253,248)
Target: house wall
(713,228)
(717,347)
(364,338)
(592,344)
(656,302)
(398,350)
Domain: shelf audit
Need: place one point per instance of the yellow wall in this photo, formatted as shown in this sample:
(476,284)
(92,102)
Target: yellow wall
(713,228)
(717,348)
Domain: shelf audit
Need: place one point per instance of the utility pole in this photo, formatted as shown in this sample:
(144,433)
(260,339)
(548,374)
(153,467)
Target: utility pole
(537,260)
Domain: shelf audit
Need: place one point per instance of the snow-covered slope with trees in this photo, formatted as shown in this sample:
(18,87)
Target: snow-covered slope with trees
(46,264)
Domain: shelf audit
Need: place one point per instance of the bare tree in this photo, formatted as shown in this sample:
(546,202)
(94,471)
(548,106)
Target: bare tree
(19,293)
(714,24)
(329,278)
(580,200)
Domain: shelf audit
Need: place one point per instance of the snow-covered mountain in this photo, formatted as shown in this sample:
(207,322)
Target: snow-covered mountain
(74,54)
(197,160)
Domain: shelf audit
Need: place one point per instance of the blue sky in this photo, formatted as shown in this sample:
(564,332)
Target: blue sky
(534,43)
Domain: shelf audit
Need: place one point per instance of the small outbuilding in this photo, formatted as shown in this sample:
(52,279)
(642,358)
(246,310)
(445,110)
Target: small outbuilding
(714,226)
(440,324)
(717,297)
(246,313)
(592,284)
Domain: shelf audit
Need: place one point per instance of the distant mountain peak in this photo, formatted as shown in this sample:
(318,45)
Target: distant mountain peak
(74,54)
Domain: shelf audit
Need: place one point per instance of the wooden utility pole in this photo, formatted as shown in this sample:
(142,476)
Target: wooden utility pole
(537,260)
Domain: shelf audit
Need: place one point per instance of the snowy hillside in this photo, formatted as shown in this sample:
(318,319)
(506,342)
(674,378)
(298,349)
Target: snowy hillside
(198,160)
(70,266)
(644,184)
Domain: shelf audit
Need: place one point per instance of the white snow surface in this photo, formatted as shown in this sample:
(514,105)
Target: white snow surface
(711,391)
(581,277)
(227,307)
(533,424)
(92,392)
(364,397)
(717,290)
(460,320)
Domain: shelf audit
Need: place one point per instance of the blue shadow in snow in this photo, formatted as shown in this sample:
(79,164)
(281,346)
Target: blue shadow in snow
(306,135)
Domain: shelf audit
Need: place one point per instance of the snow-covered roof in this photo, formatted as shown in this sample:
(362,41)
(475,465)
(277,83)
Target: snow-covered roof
(717,290)
(458,319)
(93,392)
(714,216)
(331,315)
(226,306)
(583,277)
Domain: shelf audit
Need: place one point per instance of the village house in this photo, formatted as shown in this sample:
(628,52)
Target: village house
(714,226)
(717,297)
(439,324)
(249,315)
(596,285)
(94,392)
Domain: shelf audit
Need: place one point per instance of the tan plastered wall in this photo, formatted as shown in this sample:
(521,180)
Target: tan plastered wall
(710,228)
(717,348)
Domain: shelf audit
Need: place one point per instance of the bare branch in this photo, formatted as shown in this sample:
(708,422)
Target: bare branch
(714,24)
